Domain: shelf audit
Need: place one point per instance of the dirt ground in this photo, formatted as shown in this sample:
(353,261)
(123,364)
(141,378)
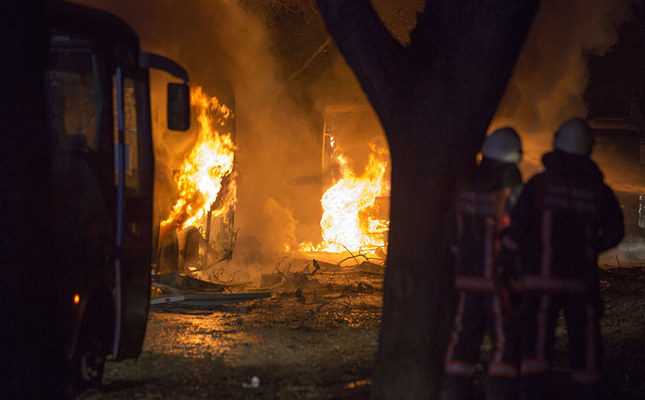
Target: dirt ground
(319,342)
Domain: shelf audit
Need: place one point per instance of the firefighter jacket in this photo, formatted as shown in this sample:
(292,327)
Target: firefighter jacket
(481,210)
(564,218)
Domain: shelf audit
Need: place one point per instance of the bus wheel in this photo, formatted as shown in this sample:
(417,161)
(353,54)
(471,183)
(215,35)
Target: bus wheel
(90,364)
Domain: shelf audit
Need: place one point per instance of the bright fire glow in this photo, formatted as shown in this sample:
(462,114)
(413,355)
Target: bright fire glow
(205,179)
(349,220)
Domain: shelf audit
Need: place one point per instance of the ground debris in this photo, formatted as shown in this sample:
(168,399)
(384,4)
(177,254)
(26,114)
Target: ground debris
(323,277)
(326,347)
(206,301)
(175,282)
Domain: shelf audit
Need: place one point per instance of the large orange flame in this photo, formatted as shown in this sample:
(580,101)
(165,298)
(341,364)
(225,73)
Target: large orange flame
(205,180)
(350,221)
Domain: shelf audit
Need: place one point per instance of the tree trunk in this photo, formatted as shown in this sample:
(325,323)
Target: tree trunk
(435,98)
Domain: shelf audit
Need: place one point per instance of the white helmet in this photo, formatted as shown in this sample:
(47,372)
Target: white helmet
(574,137)
(504,145)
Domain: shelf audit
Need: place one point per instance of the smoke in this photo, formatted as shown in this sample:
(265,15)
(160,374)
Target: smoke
(551,74)
(337,88)
(278,145)
(280,221)
(278,162)
(548,87)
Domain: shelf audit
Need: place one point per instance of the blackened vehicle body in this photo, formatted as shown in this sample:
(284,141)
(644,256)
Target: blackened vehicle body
(211,240)
(98,102)
(619,150)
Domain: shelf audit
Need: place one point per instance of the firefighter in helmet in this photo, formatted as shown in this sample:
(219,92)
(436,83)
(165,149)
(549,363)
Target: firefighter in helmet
(564,218)
(481,213)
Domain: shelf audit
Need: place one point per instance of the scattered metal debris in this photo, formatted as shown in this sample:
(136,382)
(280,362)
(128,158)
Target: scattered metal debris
(175,282)
(208,299)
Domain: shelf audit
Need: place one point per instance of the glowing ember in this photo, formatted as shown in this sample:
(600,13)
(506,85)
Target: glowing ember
(205,179)
(349,220)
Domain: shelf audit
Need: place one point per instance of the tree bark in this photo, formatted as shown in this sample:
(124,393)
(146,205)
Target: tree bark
(435,99)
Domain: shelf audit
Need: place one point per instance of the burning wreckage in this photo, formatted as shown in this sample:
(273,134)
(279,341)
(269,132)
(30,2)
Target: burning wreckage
(199,232)
(355,206)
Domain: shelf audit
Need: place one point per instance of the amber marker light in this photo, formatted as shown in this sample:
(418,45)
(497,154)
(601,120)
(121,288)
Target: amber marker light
(77,298)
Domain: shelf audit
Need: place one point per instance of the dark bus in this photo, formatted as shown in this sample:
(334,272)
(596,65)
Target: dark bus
(98,116)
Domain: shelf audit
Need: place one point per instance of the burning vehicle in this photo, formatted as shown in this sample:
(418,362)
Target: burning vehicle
(620,152)
(98,87)
(199,231)
(355,204)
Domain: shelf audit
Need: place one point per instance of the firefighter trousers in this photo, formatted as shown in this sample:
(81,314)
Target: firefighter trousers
(540,317)
(477,314)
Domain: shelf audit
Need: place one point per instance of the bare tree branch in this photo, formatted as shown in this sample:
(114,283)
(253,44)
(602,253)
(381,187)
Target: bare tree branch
(376,57)
(320,49)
